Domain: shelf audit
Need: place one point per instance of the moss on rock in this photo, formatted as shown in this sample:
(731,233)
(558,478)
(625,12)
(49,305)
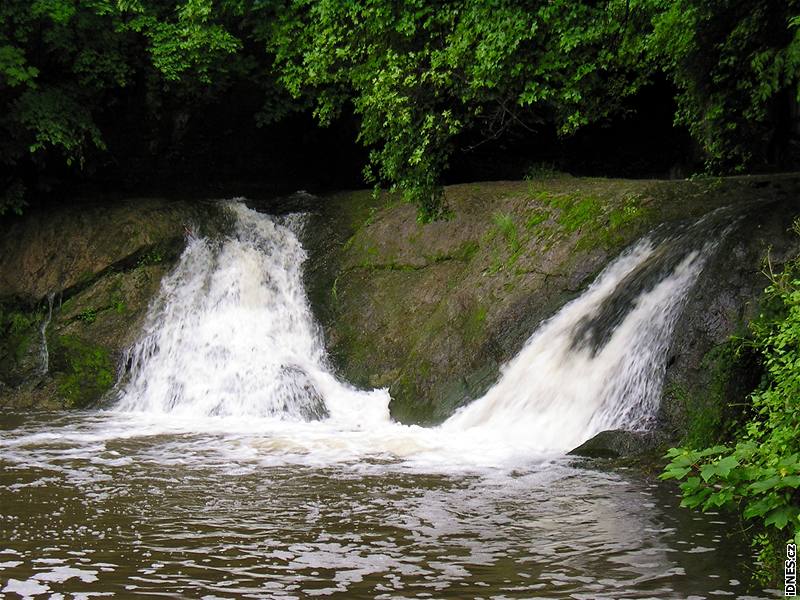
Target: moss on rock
(83,371)
(19,342)
(101,265)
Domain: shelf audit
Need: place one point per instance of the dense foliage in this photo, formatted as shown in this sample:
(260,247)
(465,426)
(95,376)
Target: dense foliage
(87,83)
(84,82)
(761,472)
(735,65)
(419,73)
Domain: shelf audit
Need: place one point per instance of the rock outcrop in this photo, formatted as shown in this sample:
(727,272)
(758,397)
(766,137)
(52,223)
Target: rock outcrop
(75,283)
(430,311)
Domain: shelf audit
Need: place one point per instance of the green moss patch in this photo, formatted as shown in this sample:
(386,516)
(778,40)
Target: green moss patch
(18,329)
(576,211)
(475,323)
(19,336)
(87,371)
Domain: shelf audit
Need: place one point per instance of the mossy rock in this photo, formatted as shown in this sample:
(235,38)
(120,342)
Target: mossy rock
(66,248)
(84,371)
(100,265)
(436,308)
(710,368)
(618,443)
(20,343)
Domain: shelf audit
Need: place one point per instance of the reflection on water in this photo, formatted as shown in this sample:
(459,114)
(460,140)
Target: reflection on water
(90,508)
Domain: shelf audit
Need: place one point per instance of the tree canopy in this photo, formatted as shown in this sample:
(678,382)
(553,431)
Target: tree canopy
(424,79)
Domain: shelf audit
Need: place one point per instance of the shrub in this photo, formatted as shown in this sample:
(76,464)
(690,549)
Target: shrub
(761,472)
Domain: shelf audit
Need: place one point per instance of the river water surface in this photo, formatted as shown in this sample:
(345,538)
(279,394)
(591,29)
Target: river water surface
(98,504)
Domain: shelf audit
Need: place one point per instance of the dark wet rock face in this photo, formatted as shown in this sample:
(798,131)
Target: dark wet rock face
(620,444)
(74,289)
(302,395)
(705,379)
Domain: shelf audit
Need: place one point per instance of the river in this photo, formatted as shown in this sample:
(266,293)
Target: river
(96,503)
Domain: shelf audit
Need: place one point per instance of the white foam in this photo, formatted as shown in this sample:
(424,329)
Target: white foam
(26,589)
(61,574)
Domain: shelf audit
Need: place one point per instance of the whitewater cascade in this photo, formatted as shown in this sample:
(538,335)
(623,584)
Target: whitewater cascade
(44,353)
(566,385)
(231,334)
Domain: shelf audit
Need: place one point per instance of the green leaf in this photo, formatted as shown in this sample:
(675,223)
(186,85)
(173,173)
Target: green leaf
(780,517)
(675,473)
(725,465)
(759,508)
(759,487)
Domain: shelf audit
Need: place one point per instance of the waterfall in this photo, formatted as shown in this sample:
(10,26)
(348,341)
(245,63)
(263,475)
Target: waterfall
(599,363)
(231,334)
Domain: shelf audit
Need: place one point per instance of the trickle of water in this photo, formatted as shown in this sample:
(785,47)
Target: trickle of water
(44,353)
